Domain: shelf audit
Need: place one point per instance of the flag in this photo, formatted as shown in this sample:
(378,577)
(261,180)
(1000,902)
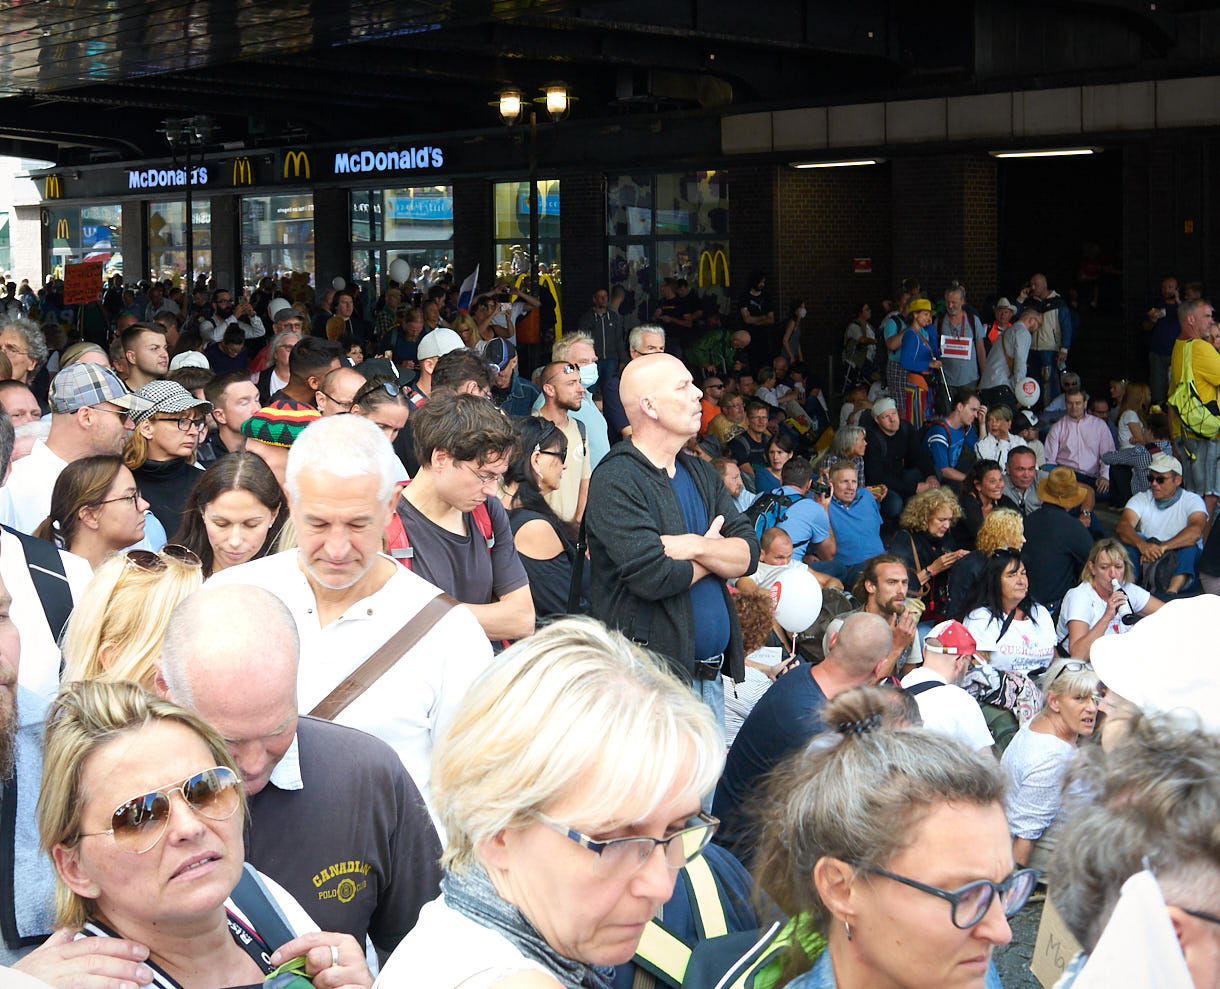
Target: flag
(466,295)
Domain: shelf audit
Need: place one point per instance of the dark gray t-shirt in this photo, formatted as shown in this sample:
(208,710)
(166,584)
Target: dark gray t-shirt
(355,846)
(462,565)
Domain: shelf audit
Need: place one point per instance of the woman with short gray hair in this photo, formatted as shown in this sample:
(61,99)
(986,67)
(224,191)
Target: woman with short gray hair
(22,342)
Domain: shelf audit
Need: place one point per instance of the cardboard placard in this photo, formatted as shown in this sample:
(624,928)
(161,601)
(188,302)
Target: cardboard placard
(82,282)
(1054,947)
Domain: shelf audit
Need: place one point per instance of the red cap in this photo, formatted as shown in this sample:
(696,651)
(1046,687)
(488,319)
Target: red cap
(954,639)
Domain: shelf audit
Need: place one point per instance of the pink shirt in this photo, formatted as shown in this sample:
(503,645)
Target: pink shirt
(1079,444)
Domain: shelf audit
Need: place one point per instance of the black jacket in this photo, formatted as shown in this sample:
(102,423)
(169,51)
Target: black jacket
(635,587)
(888,458)
(1056,548)
(165,485)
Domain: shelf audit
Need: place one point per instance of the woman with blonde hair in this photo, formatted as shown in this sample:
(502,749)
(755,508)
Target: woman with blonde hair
(118,625)
(1133,416)
(1107,593)
(1003,528)
(569,764)
(923,541)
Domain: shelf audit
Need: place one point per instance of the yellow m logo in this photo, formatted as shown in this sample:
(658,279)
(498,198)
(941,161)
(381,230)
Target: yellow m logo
(53,189)
(243,170)
(61,229)
(299,161)
(713,261)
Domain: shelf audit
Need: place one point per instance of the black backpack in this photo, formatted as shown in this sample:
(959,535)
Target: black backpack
(768,510)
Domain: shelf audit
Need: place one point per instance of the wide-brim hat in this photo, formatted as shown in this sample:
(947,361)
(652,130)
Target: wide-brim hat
(166,397)
(1061,488)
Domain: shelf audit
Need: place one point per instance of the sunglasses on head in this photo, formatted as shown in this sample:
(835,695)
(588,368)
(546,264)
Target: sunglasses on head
(1075,667)
(138,824)
(150,562)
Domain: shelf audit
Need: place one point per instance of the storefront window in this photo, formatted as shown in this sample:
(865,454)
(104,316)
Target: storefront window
(413,223)
(167,238)
(512,229)
(670,225)
(89,233)
(277,236)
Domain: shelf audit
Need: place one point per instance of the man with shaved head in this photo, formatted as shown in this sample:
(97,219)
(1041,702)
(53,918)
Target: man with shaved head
(664,535)
(366,860)
(338,388)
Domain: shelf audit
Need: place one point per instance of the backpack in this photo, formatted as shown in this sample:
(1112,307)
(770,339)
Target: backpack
(768,510)
(398,545)
(1198,418)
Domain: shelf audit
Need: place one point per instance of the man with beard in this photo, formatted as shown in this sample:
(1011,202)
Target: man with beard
(227,314)
(563,393)
(882,586)
(948,651)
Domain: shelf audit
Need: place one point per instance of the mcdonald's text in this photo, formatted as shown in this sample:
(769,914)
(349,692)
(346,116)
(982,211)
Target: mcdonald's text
(159,178)
(388,161)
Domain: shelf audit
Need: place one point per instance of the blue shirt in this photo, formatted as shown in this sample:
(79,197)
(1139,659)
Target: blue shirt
(857,529)
(945,444)
(806,523)
(706,595)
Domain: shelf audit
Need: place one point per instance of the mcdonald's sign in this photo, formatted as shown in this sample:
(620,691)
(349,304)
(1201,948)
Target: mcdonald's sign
(713,261)
(243,170)
(61,229)
(54,189)
(299,161)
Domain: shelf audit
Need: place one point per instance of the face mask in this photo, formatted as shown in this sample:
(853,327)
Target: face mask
(588,375)
(801,313)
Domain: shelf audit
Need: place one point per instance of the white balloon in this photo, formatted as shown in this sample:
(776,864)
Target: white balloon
(400,271)
(337,283)
(275,305)
(1028,392)
(797,597)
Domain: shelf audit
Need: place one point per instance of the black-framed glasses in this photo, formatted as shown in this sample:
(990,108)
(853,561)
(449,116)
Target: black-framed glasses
(186,424)
(121,413)
(143,559)
(134,498)
(626,856)
(1211,918)
(1158,478)
(138,824)
(972,901)
(1074,667)
(338,401)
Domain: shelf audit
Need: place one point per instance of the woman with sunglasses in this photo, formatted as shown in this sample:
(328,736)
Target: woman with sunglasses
(878,905)
(141,809)
(96,510)
(382,401)
(1037,758)
(1107,593)
(160,451)
(118,625)
(544,543)
(566,765)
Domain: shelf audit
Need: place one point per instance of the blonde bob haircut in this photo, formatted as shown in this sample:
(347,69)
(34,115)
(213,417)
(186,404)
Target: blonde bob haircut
(1060,682)
(1003,528)
(117,628)
(918,512)
(575,707)
(1115,551)
(84,717)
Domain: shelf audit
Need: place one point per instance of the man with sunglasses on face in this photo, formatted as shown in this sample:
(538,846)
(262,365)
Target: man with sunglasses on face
(1167,517)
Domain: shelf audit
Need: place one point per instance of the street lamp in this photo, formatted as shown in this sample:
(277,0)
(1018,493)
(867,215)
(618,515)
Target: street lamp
(186,133)
(512,103)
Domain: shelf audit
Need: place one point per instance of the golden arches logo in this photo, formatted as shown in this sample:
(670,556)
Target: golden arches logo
(61,229)
(243,170)
(54,190)
(713,261)
(297,159)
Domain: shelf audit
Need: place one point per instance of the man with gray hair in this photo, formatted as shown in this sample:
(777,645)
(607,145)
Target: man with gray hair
(644,339)
(363,873)
(349,599)
(961,336)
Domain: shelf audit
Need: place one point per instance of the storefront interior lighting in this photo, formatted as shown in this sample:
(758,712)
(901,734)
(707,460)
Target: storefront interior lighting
(846,163)
(1046,153)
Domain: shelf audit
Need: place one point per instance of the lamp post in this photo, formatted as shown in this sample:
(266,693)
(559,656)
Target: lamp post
(511,105)
(186,133)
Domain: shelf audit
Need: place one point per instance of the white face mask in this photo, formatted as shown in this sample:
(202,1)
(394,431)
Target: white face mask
(801,312)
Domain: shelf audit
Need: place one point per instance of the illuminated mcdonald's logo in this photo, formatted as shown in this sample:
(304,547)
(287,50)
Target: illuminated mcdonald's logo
(243,170)
(54,190)
(61,229)
(713,261)
(299,161)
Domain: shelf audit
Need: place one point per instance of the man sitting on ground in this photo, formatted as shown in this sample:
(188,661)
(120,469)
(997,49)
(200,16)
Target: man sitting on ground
(948,439)
(948,651)
(856,522)
(1165,518)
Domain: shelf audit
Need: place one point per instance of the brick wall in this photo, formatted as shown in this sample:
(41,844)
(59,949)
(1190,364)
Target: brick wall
(582,229)
(753,241)
(472,231)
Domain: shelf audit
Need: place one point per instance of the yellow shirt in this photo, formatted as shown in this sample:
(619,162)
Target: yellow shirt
(1205,365)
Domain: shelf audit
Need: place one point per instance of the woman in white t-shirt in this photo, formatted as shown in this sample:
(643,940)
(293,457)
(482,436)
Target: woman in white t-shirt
(1093,607)
(1133,416)
(1012,630)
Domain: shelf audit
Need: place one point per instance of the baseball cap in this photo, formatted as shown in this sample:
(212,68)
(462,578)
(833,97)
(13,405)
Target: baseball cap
(83,384)
(499,353)
(953,638)
(168,397)
(1162,463)
(189,358)
(1025,420)
(285,313)
(438,343)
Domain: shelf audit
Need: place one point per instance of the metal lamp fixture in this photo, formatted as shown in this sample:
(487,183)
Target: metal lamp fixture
(558,103)
(510,106)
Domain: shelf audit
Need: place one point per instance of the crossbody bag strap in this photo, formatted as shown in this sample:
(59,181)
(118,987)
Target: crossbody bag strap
(372,669)
(915,553)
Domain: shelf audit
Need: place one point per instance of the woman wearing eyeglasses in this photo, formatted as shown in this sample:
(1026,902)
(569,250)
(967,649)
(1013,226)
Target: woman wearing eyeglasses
(141,809)
(96,509)
(118,625)
(1107,593)
(879,905)
(1037,759)
(161,449)
(565,767)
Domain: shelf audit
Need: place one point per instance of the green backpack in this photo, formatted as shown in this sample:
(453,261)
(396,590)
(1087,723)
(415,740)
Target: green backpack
(1198,418)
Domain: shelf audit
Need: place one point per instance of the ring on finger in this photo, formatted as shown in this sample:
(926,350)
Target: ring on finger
(334,955)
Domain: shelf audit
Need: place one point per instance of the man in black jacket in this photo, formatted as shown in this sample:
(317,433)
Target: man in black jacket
(895,457)
(1056,544)
(664,535)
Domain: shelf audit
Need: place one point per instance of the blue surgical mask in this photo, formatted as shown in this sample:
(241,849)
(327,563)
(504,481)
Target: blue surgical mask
(588,375)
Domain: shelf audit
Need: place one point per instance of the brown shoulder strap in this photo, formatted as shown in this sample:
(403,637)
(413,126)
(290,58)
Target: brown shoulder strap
(372,669)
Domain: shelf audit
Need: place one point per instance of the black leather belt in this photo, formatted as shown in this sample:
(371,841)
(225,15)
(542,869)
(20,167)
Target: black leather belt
(709,669)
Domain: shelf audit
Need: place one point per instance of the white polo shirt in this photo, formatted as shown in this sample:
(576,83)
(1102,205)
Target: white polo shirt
(25,499)
(949,710)
(410,704)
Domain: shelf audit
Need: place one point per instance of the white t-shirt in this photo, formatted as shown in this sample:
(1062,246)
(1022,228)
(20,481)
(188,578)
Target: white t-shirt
(740,698)
(1035,763)
(1163,524)
(1083,604)
(446,949)
(413,700)
(1126,421)
(1026,645)
(25,499)
(993,448)
(949,709)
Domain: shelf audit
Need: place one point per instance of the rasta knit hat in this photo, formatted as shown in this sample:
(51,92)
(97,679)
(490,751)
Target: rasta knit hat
(279,424)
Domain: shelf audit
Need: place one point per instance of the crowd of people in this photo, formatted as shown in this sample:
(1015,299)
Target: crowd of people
(381,642)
